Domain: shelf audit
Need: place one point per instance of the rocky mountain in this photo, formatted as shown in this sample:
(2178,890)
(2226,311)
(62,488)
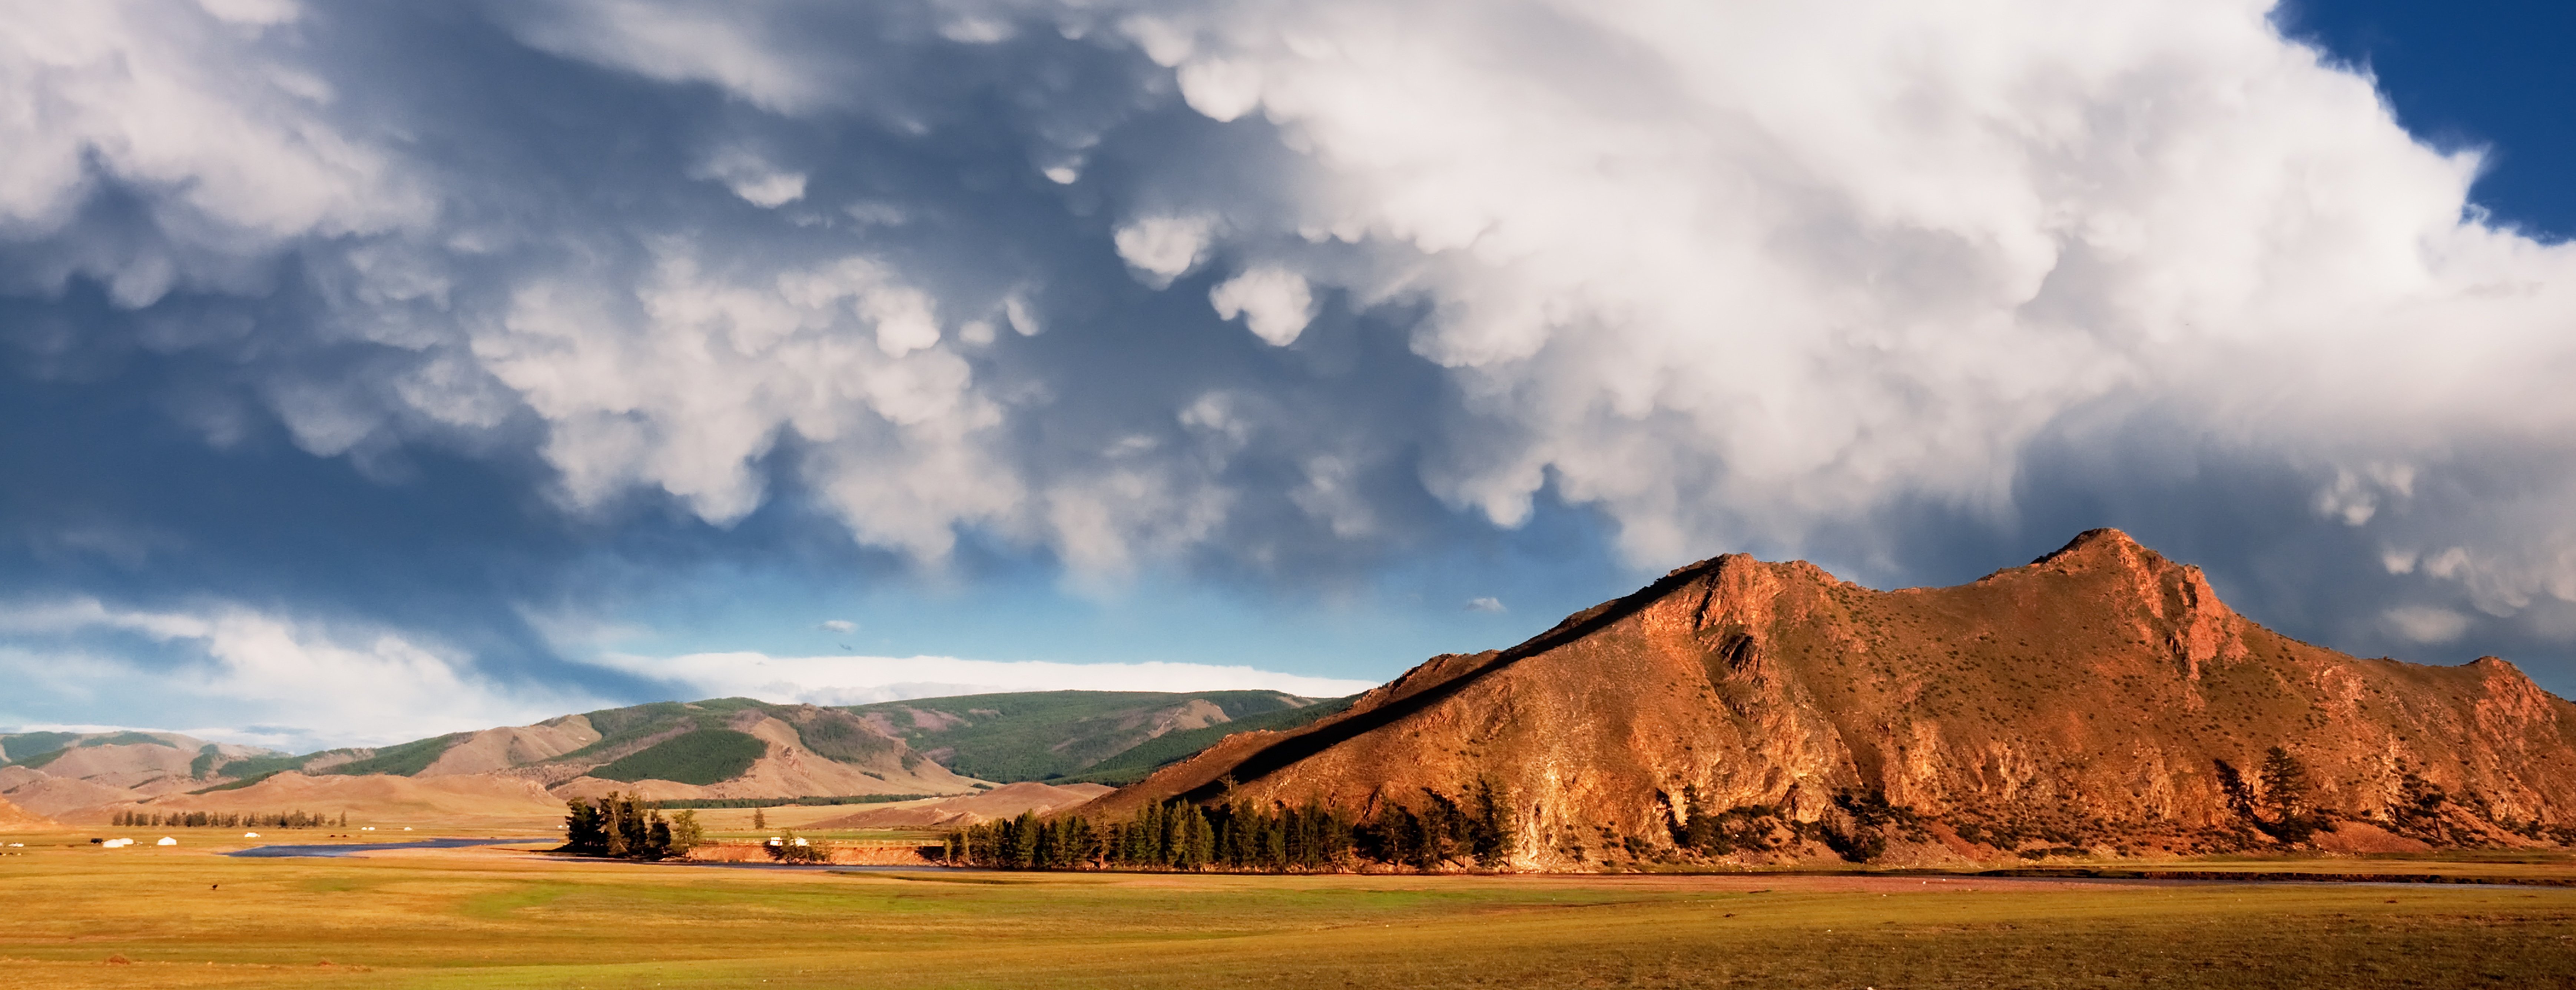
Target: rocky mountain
(2100,699)
(1047,735)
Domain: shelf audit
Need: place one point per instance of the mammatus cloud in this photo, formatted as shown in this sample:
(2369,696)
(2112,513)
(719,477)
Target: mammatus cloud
(1297,285)
(854,680)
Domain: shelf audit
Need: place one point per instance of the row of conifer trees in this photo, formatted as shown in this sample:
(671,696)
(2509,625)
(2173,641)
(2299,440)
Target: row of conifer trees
(627,827)
(1237,835)
(208,819)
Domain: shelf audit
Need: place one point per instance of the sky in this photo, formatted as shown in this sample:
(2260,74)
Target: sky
(375,370)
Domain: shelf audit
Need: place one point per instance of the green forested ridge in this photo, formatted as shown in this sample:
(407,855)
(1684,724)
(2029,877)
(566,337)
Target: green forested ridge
(18,747)
(36,749)
(401,760)
(208,756)
(1172,747)
(38,761)
(1048,735)
(839,735)
(124,739)
(252,770)
(700,756)
(618,727)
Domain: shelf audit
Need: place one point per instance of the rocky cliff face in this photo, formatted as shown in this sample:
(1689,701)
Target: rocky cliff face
(2101,698)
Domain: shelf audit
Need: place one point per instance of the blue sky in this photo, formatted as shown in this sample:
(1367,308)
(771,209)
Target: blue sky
(373,371)
(2491,76)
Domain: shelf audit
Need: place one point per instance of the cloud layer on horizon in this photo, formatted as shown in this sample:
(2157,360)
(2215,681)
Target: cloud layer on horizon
(858,680)
(1280,290)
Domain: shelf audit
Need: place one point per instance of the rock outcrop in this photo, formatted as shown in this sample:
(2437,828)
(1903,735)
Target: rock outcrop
(2101,698)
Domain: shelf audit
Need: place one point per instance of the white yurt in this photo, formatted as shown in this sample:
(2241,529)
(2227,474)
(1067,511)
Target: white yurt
(167,841)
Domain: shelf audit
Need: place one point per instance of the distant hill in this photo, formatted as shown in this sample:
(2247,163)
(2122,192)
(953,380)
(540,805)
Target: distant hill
(719,748)
(1050,735)
(49,773)
(14,817)
(2100,699)
(1144,758)
(722,748)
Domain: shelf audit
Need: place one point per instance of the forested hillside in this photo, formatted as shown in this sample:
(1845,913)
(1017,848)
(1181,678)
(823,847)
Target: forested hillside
(1052,735)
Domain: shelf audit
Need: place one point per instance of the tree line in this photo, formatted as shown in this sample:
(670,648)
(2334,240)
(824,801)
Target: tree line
(627,827)
(1433,832)
(208,819)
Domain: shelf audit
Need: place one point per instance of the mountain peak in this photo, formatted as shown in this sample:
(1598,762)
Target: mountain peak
(2102,696)
(2104,543)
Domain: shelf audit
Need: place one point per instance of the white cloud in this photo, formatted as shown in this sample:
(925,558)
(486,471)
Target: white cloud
(717,363)
(1163,248)
(679,41)
(1733,275)
(1221,89)
(1275,303)
(842,626)
(337,684)
(1485,604)
(755,179)
(1736,274)
(225,128)
(2423,624)
(851,680)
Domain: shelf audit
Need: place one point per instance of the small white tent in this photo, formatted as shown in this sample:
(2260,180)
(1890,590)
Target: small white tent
(167,841)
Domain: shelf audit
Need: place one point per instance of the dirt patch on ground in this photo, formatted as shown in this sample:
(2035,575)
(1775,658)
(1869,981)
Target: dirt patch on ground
(837,853)
(1009,801)
(378,799)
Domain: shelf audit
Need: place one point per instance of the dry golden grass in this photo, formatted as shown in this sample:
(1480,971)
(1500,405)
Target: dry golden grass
(186,918)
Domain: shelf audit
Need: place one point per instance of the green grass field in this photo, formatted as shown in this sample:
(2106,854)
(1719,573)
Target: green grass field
(503,918)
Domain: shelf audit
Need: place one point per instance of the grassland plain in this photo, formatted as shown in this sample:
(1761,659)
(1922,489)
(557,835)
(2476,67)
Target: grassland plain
(506,918)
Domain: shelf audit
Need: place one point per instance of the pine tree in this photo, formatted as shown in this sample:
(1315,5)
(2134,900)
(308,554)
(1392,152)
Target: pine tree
(2285,794)
(1490,833)
(759,819)
(582,828)
(1021,842)
(1199,840)
(686,833)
